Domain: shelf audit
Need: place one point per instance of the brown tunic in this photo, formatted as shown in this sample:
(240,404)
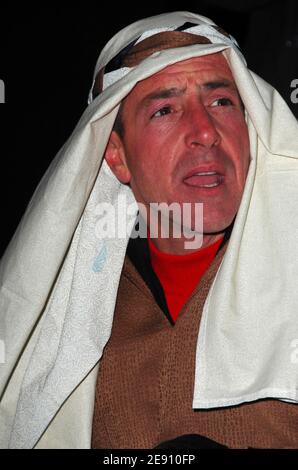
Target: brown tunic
(145,384)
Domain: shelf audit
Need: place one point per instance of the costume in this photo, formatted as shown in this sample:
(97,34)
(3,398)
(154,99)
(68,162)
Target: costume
(145,383)
(59,279)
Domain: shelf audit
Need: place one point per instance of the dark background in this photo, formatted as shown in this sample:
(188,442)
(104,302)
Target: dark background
(47,56)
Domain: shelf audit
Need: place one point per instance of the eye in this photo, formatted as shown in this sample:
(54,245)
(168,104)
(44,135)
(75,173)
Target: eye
(222,102)
(162,112)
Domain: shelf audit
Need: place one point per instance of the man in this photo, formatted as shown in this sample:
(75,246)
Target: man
(194,126)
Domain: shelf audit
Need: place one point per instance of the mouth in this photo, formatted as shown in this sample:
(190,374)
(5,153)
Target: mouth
(204,179)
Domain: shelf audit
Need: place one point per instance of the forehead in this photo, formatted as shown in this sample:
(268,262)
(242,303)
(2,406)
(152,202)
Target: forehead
(212,67)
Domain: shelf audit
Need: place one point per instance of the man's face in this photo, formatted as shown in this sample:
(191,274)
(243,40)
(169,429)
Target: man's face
(186,140)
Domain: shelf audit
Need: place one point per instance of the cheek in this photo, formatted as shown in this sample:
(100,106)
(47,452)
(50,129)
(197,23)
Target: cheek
(142,165)
(237,145)
(244,151)
(148,156)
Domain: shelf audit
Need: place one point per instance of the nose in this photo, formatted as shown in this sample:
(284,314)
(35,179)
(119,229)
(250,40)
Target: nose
(200,128)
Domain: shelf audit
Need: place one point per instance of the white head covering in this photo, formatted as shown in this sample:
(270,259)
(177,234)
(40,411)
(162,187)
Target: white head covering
(59,280)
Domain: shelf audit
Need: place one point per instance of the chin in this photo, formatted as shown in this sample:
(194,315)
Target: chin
(213,228)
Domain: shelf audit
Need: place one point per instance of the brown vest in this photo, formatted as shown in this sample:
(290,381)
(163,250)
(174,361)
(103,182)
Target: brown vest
(145,384)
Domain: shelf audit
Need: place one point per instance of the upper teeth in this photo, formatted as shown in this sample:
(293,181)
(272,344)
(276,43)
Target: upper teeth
(206,173)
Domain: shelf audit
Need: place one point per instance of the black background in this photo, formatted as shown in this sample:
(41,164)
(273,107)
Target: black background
(47,58)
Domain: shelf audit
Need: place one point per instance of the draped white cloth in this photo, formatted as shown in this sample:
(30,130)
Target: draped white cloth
(59,280)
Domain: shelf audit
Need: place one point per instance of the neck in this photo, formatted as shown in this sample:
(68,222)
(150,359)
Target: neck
(171,242)
(177,246)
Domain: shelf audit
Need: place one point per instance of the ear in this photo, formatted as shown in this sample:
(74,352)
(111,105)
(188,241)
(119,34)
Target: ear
(115,158)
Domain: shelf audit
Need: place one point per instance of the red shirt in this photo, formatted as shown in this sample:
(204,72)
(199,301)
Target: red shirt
(180,274)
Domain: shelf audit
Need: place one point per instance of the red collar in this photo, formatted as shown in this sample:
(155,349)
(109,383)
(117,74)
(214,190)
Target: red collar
(180,274)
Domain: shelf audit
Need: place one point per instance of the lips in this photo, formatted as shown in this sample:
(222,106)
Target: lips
(204,179)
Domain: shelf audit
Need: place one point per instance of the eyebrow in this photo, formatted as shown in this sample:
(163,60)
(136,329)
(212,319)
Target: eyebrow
(219,84)
(176,92)
(163,93)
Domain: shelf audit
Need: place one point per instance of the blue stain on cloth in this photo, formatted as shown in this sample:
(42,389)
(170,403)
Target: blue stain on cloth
(100,259)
